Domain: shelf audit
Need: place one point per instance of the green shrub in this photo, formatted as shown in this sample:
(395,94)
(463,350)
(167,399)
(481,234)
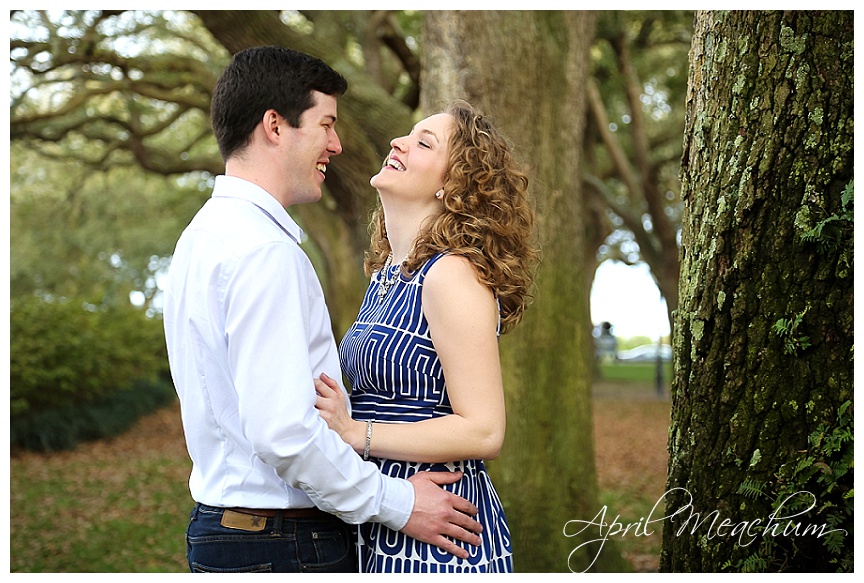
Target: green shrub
(65,427)
(63,354)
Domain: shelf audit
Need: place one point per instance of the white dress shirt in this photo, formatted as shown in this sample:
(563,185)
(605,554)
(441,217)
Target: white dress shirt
(247,330)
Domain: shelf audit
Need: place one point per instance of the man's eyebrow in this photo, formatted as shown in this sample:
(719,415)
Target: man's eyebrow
(332,118)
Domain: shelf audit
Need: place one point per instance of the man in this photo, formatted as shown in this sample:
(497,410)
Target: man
(248,330)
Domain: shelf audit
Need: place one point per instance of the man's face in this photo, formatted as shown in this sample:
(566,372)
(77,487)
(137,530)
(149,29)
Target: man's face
(309,148)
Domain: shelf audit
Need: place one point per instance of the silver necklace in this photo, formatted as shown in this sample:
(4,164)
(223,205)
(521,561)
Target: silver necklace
(386,279)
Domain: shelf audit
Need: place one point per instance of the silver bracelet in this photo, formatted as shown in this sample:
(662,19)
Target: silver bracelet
(368,440)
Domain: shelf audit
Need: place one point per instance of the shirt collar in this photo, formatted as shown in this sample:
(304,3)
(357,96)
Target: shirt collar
(234,187)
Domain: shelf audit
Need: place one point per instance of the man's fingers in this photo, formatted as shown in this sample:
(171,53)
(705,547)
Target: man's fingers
(456,502)
(449,546)
(441,478)
(466,524)
(441,517)
(463,505)
(465,535)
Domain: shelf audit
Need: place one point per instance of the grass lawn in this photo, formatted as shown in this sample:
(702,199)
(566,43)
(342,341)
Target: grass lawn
(120,505)
(112,506)
(635,372)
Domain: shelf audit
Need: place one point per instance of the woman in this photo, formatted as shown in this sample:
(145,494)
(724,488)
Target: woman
(422,357)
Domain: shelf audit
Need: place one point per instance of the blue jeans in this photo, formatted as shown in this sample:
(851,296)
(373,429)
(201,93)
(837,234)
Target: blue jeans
(298,545)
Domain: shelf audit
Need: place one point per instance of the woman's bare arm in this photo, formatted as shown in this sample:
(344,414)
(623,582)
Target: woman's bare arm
(463,318)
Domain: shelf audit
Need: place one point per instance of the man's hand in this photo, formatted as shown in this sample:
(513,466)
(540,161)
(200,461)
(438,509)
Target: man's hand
(438,513)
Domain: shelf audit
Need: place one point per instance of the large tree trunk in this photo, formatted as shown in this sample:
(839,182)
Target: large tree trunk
(527,71)
(764,332)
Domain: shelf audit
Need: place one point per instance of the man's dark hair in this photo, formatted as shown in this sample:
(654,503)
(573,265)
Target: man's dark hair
(262,78)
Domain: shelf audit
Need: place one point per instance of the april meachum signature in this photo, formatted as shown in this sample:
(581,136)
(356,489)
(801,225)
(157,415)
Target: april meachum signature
(745,531)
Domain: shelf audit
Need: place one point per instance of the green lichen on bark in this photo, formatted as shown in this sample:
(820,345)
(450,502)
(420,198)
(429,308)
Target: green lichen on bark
(773,129)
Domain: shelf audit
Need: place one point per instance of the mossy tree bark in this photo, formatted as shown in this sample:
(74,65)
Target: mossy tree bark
(528,70)
(764,331)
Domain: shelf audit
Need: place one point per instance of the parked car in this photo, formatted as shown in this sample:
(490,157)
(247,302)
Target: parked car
(646,353)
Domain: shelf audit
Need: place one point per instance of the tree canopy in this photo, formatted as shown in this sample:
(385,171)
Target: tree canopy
(104,90)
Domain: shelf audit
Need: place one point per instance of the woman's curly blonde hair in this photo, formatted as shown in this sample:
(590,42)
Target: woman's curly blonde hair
(486,216)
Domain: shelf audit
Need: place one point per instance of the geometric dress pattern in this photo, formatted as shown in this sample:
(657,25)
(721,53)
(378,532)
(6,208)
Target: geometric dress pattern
(390,362)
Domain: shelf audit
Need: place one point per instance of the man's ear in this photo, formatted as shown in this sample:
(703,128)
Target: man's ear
(271,123)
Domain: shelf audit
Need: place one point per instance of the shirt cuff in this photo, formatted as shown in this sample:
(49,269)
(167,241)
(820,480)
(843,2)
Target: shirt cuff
(397,503)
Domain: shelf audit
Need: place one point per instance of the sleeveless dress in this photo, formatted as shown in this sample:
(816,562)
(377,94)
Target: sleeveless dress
(396,377)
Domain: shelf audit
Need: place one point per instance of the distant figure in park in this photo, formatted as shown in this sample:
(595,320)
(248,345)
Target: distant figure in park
(606,344)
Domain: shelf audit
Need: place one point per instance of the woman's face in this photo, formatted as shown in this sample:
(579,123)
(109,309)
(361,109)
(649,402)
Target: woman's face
(417,163)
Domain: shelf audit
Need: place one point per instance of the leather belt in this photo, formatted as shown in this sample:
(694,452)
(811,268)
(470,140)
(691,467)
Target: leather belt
(286,513)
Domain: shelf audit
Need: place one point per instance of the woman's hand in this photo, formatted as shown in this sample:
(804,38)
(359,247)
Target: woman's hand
(331,405)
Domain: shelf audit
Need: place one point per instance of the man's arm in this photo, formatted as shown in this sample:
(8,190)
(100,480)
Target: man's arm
(267,304)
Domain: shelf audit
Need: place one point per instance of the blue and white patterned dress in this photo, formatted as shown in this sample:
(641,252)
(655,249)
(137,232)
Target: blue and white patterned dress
(396,377)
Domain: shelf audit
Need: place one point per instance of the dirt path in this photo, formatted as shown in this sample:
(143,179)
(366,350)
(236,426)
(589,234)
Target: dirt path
(630,452)
(630,444)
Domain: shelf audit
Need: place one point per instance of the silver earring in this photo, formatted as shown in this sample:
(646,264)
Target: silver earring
(439,194)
